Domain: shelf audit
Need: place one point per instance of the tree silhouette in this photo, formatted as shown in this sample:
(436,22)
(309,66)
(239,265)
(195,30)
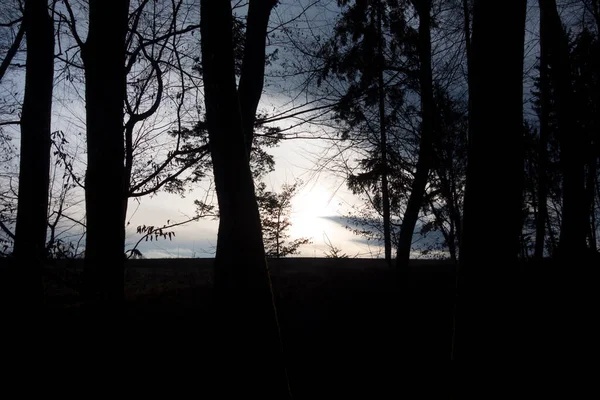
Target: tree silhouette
(366,51)
(494,176)
(32,212)
(103,56)
(426,143)
(572,241)
(247,319)
(275,211)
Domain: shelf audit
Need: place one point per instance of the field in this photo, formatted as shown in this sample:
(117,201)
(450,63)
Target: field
(340,319)
(347,329)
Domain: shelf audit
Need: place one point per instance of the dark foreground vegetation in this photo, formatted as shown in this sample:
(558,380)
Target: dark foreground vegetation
(351,328)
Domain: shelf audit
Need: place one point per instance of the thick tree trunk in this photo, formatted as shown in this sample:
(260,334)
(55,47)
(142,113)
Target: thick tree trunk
(104,60)
(425,159)
(572,240)
(385,193)
(248,351)
(34,168)
(492,210)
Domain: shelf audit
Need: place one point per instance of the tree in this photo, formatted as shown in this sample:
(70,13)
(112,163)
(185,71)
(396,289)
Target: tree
(426,142)
(385,193)
(412,152)
(103,56)
(163,76)
(247,319)
(445,197)
(494,179)
(572,241)
(274,210)
(585,59)
(367,53)
(32,211)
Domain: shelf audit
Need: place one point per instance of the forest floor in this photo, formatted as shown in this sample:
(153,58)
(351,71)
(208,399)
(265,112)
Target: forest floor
(345,327)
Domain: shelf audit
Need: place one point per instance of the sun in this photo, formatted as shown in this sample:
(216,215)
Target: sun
(308,209)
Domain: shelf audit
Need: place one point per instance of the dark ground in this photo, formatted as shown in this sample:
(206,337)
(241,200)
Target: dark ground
(347,330)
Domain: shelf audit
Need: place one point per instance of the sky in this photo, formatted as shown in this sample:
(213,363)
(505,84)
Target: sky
(318,208)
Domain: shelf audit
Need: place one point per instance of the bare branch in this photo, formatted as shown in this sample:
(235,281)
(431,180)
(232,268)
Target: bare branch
(12,51)
(11,23)
(10,123)
(6,230)
(71,23)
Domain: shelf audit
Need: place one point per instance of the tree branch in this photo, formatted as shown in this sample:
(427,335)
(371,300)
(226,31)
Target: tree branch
(71,23)
(12,51)
(11,23)
(6,230)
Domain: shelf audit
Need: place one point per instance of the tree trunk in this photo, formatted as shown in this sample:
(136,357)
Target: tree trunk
(572,240)
(253,65)
(246,319)
(103,56)
(385,194)
(425,159)
(492,209)
(540,231)
(592,171)
(34,167)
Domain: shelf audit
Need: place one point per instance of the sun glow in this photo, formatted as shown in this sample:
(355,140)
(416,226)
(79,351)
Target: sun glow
(308,209)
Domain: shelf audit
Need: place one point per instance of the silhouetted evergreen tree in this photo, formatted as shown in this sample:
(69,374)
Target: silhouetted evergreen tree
(369,51)
(275,209)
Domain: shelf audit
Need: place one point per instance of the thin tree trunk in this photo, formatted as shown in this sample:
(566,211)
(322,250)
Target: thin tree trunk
(493,198)
(105,82)
(448,191)
(385,194)
(253,65)
(551,236)
(277,232)
(467,33)
(425,159)
(34,166)
(540,232)
(590,197)
(246,319)
(572,240)
(596,13)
